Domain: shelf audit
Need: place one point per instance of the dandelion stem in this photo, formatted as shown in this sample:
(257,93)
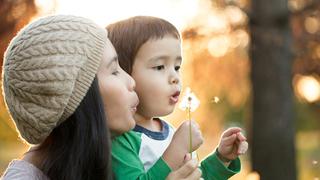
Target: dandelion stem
(190,131)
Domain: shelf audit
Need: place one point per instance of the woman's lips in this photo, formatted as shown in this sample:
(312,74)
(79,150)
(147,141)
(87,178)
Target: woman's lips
(134,108)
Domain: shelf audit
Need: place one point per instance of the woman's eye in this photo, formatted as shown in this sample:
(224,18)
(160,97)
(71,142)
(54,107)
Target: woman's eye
(159,67)
(115,73)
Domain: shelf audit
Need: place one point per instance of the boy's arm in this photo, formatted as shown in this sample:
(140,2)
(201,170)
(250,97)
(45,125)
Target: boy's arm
(126,163)
(214,169)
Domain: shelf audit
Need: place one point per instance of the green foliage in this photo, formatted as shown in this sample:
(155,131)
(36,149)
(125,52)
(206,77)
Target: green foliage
(307,116)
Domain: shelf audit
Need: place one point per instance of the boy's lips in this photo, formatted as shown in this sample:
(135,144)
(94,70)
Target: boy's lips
(175,97)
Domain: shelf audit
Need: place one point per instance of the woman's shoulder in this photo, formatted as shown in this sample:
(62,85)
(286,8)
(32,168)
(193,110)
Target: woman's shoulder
(23,170)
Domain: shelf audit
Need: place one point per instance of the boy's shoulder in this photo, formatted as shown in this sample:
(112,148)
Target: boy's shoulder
(129,140)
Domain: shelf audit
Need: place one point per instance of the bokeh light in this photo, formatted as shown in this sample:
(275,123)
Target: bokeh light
(308,88)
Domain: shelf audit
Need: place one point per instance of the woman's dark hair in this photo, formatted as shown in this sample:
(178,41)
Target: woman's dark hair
(79,148)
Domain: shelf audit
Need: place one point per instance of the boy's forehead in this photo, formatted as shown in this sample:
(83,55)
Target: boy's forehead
(164,48)
(167,43)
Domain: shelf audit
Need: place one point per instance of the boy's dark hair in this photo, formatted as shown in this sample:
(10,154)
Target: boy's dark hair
(127,36)
(79,148)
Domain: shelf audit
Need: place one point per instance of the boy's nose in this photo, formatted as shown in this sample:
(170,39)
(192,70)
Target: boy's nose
(174,80)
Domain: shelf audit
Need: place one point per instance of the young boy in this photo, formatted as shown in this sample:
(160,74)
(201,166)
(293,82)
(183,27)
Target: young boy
(149,49)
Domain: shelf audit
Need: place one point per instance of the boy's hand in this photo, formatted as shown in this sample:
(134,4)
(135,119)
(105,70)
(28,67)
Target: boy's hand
(188,171)
(232,144)
(181,136)
(180,143)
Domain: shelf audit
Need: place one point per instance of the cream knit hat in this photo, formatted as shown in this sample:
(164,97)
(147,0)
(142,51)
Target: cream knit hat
(48,69)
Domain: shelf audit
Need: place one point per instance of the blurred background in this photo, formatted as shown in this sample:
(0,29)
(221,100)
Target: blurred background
(253,64)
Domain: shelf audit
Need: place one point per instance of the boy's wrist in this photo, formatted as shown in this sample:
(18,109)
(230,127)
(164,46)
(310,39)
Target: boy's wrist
(223,159)
(174,156)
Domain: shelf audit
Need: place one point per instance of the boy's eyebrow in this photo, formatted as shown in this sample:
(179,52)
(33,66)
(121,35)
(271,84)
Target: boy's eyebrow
(114,60)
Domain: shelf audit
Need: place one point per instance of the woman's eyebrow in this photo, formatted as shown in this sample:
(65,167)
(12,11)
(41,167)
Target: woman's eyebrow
(114,60)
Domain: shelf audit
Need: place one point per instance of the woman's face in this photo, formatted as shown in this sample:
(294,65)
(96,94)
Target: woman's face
(117,91)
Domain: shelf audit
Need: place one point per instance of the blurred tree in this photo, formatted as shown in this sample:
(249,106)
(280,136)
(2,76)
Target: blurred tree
(273,131)
(13,16)
(306,33)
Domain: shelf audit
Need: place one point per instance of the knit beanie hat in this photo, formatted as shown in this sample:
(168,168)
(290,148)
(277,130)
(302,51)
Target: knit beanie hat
(48,68)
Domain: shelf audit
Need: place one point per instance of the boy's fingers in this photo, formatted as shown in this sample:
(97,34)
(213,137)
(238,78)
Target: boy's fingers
(241,137)
(187,168)
(196,174)
(230,131)
(187,157)
(195,124)
(229,140)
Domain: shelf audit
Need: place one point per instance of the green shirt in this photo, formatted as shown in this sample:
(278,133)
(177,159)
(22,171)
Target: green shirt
(126,162)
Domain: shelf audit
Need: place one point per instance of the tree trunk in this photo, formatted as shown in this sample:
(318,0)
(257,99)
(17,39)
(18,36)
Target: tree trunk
(273,133)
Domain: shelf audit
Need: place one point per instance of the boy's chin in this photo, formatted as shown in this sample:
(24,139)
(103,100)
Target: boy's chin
(166,112)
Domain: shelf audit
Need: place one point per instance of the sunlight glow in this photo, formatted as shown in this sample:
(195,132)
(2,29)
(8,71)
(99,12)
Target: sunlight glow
(219,45)
(104,12)
(253,176)
(309,88)
(46,6)
(311,24)
(236,15)
(218,22)
(240,38)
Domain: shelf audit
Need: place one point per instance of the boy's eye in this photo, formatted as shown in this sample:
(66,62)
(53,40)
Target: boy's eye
(159,67)
(177,68)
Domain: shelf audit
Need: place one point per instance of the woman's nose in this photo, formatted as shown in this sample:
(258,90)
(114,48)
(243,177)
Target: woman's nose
(132,83)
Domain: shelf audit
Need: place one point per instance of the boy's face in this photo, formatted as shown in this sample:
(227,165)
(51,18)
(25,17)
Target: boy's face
(117,91)
(156,72)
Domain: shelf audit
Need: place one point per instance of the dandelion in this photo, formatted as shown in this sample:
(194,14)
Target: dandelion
(189,103)
(243,147)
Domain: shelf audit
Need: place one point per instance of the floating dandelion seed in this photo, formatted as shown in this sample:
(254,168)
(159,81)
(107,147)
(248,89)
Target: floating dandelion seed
(189,103)
(314,162)
(215,99)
